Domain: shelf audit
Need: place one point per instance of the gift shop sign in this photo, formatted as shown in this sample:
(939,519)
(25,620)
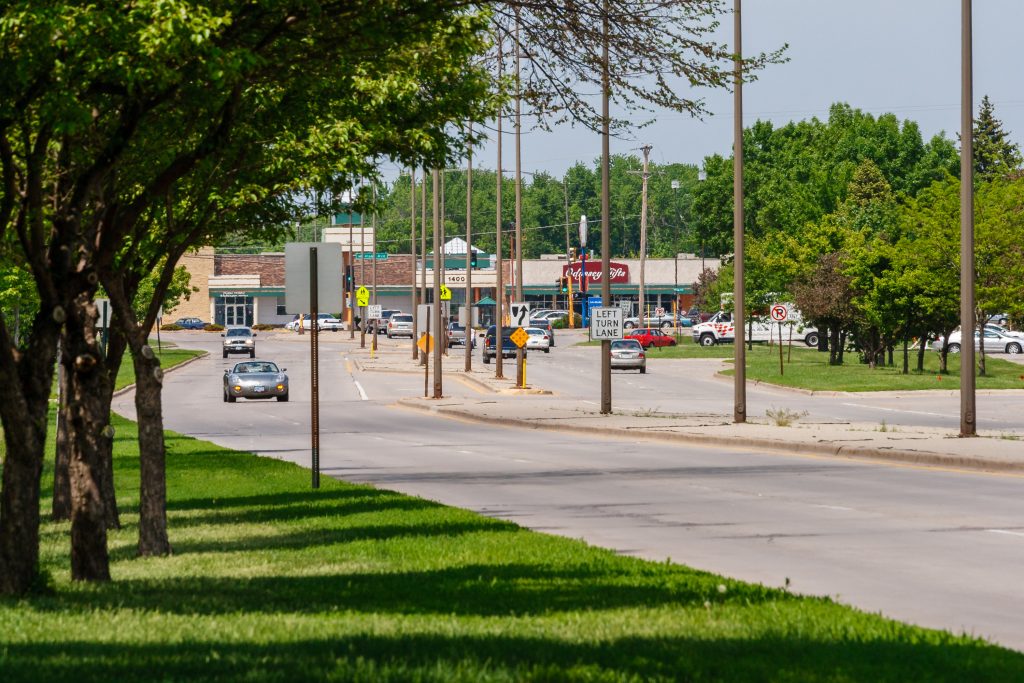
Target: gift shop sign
(618,272)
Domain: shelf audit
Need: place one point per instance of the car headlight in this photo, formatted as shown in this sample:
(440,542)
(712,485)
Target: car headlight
(280,387)
(237,387)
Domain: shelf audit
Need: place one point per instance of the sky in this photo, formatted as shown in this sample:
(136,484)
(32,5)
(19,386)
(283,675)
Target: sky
(898,56)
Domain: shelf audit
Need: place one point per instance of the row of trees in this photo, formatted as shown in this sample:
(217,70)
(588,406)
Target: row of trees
(884,265)
(131,134)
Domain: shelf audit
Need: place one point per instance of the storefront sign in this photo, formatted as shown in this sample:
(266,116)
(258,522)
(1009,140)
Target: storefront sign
(618,272)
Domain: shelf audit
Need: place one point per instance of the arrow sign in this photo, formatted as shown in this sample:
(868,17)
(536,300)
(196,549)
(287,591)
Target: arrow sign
(362,296)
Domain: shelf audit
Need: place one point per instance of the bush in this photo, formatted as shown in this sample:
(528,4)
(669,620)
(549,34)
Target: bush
(171,327)
(213,327)
(265,326)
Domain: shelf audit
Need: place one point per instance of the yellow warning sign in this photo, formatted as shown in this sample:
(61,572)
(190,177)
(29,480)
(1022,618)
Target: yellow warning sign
(362,297)
(446,294)
(520,337)
(426,343)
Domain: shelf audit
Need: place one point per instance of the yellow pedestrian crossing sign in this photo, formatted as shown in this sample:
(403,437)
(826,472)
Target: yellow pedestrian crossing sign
(446,294)
(362,296)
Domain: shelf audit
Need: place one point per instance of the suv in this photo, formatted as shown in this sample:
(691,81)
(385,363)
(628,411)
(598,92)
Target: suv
(400,325)
(325,321)
(381,323)
(456,335)
(508,347)
(239,340)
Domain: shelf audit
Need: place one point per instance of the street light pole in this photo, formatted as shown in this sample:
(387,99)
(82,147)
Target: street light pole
(499,291)
(467,324)
(643,230)
(968,421)
(423,254)
(412,250)
(438,346)
(520,354)
(739,350)
(606,290)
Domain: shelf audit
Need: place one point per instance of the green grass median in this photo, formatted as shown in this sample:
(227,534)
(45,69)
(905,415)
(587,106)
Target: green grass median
(271,581)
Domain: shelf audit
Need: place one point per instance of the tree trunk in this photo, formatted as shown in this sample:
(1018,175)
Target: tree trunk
(61,508)
(921,350)
(906,356)
(842,346)
(835,352)
(981,345)
(87,414)
(152,453)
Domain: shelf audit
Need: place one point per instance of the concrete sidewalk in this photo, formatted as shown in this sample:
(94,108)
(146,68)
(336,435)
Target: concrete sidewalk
(502,403)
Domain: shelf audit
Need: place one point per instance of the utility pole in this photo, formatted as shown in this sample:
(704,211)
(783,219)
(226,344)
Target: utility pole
(412,250)
(352,270)
(423,251)
(499,295)
(468,323)
(373,267)
(362,279)
(643,230)
(739,350)
(437,286)
(968,421)
(520,353)
(606,289)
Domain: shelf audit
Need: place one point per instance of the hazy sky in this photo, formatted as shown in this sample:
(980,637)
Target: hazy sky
(899,56)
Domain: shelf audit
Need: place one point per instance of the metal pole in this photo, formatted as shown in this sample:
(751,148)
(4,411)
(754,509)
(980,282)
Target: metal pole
(362,280)
(351,285)
(468,323)
(373,266)
(438,346)
(643,230)
(423,253)
(412,250)
(499,295)
(606,289)
(739,350)
(520,354)
(968,422)
(314,360)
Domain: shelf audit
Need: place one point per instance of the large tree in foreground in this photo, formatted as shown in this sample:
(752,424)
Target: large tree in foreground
(105,108)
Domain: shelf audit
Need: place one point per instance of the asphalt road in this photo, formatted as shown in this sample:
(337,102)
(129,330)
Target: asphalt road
(933,547)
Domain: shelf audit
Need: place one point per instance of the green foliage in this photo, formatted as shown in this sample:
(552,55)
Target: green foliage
(995,155)
(213,327)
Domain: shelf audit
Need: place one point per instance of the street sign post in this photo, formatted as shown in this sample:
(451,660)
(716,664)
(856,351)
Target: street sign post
(779,314)
(374,312)
(519,314)
(605,323)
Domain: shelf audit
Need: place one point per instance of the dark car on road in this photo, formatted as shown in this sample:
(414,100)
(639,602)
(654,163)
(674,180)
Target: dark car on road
(190,323)
(508,347)
(255,379)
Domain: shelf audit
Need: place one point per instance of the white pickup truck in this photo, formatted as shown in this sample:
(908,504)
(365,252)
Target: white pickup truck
(719,329)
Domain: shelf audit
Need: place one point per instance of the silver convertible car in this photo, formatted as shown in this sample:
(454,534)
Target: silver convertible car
(255,379)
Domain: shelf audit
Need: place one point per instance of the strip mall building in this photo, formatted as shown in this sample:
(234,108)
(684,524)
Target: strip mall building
(249,289)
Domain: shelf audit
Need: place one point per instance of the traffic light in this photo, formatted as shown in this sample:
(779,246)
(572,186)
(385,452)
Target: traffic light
(472,258)
(572,255)
(348,277)
(563,283)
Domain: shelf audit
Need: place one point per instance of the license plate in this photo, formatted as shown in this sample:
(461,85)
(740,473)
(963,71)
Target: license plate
(259,390)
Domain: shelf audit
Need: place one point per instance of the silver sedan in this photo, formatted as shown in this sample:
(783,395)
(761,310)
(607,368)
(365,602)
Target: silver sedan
(628,354)
(255,379)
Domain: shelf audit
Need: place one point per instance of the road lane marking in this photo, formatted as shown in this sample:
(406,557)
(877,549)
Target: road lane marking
(831,507)
(898,410)
(362,392)
(1005,532)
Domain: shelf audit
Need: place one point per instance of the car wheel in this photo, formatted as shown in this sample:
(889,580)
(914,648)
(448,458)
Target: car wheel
(389,335)
(283,398)
(487,360)
(252,354)
(811,339)
(225,395)
(547,350)
(707,340)
(629,325)
(643,370)
(954,348)
(1013,348)
(225,354)
(666,325)
(230,399)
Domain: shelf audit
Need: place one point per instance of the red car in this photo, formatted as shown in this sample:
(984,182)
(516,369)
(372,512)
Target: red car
(651,336)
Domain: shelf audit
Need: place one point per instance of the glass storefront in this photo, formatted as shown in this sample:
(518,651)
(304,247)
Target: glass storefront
(232,310)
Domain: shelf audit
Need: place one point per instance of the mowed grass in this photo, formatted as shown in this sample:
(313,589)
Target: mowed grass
(808,368)
(271,581)
(168,358)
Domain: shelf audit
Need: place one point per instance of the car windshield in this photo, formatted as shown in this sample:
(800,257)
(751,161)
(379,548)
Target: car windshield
(625,345)
(238,332)
(401,318)
(458,328)
(242,368)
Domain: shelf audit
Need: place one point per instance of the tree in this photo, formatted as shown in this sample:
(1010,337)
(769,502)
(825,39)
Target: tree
(90,144)
(994,154)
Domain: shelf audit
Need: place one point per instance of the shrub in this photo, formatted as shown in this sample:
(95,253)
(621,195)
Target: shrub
(264,326)
(213,327)
(171,327)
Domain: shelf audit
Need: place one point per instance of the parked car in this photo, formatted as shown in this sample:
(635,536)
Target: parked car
(551,315)
(545,325)
(651,336)
(239,340)
(255,379)
(400,325)
(719,329)
(381,323)
(456,336)
(628,354)
(190,323)
(325,321)
(1000,319)
(538,340)
(994,343)
(1004,331)
(666,321)
(508,347)
(697,315)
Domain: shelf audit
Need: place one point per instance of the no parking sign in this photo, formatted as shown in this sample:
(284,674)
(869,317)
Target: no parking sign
(779,313)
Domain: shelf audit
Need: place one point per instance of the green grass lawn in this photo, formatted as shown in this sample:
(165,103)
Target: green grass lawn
(168,359)
(271,581)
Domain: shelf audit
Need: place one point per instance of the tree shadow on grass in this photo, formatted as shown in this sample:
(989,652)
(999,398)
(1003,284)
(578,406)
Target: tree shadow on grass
(476,657)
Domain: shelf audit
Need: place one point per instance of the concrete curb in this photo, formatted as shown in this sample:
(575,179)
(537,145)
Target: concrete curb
(131,387)
(882,394)
(822,448)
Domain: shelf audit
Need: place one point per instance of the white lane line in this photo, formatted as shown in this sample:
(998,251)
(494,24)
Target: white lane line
(898,410)
(465,452)
(362,392)
(1004,531)
(832,507)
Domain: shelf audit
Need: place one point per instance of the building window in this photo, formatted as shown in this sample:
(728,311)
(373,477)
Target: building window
(232,310)
(281,310)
